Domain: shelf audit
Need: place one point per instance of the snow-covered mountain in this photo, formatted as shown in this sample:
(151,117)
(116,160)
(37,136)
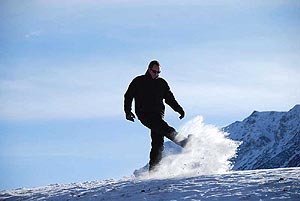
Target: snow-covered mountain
(274,184)
(270,140)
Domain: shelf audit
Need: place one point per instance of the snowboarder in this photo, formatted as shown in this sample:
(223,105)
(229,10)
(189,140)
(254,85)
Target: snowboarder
(148,92)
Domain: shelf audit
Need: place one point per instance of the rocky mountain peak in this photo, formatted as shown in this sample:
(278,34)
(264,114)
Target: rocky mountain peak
(270,139)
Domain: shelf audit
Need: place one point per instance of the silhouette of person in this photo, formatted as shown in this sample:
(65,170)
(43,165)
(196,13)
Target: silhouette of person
(149,92)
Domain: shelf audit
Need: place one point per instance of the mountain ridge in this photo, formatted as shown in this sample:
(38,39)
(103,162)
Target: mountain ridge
(269,140)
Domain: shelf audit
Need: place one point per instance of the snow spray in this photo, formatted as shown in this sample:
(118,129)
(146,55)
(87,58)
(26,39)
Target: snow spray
(208,152)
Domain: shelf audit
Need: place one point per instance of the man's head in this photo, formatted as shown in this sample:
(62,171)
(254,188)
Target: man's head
(154,69)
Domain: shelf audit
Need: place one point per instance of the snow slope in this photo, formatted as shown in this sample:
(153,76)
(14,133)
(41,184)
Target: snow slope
(270,140)
(272,184)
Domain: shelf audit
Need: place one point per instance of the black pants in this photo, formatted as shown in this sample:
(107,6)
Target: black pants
(159,129)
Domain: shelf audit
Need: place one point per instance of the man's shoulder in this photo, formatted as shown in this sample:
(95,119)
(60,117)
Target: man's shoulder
(162,80)
(140,77)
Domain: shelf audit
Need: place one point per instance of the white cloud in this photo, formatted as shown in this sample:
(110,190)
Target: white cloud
(94,88)
(205,68)
(83,90)
(33,34)
(257,86)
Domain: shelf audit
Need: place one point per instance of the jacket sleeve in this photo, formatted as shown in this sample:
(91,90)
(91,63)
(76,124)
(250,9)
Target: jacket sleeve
(171,101)
(129,95)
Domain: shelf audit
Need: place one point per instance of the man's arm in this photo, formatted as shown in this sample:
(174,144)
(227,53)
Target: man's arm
(128,97)
(171,101)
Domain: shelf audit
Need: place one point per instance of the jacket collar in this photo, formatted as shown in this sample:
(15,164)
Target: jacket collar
(147,74)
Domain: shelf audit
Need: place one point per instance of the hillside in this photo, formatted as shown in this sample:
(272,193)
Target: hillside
(270,140)
(275,184)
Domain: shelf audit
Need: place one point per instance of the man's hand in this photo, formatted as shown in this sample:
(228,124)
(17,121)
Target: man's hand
(181,112)
(130,116)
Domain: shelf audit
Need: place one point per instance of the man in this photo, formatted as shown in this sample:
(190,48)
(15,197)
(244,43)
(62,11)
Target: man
(148,92)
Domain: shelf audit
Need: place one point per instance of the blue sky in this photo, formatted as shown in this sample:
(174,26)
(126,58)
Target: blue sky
(65,65)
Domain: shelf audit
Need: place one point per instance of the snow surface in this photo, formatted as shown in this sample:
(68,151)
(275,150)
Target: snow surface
(272,184)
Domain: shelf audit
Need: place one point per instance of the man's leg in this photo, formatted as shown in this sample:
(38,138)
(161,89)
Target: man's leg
(157,147)
(159,128)
(156,123)
(170,133)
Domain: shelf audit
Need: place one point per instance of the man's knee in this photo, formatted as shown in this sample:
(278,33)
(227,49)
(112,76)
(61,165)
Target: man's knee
(157,147)
(171,134)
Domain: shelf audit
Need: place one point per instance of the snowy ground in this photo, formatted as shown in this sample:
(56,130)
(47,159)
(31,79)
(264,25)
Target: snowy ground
(274,184)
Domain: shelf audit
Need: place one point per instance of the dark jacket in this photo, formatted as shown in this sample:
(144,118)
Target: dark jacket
(148,94)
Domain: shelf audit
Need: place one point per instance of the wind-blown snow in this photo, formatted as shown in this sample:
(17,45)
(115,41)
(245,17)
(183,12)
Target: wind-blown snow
(208,152)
